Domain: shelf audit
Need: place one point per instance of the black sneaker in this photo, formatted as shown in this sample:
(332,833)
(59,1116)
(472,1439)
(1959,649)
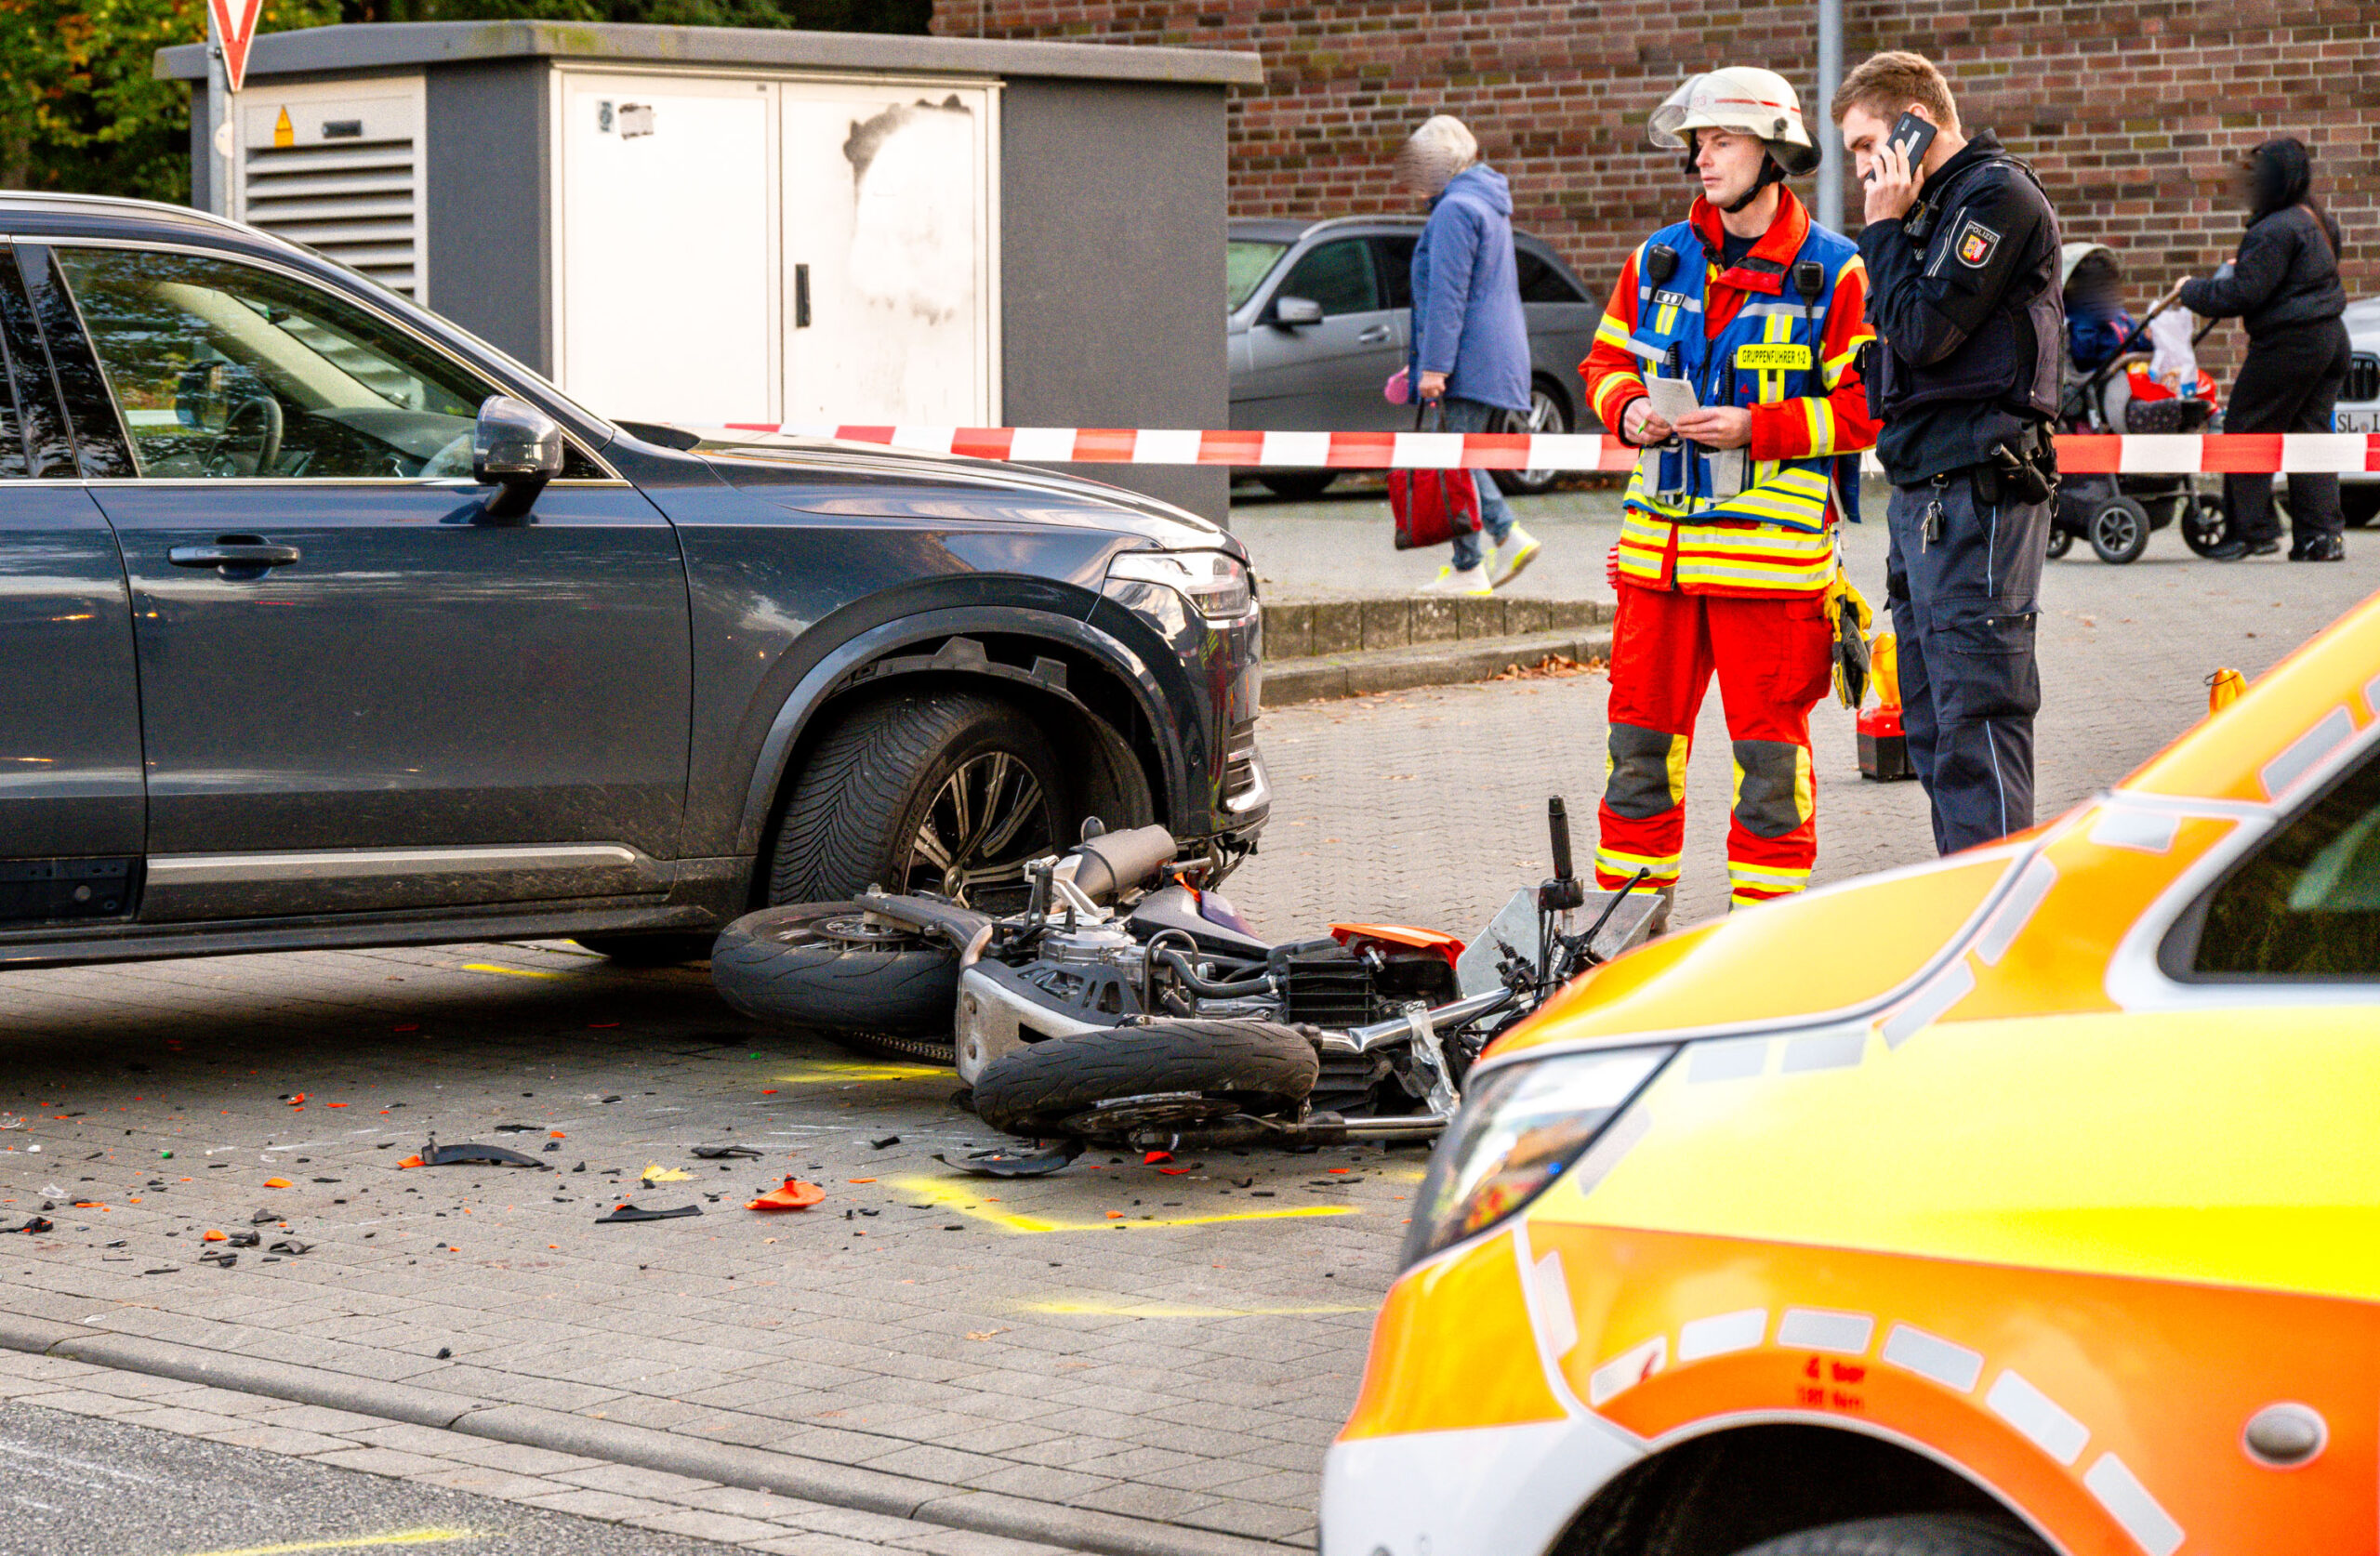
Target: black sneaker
(2232,550)
(2323,547)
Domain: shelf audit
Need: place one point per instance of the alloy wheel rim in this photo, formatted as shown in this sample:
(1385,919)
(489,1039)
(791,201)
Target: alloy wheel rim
(986,821)
(1544,416)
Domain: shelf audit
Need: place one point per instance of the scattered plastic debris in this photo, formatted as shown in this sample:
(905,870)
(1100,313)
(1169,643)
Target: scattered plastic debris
(263,1217)
(42,1223)
(721,1153)
(276,1182)
(656,1173)
(470,1154)
(881,1144)
(211,1236)
(1016,1161)
(291,1246)
(630,1212)
(794,1195)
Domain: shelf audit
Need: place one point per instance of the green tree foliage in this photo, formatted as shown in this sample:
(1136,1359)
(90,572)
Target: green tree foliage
(81,109)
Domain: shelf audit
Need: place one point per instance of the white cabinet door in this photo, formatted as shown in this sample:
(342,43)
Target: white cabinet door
(668,266)
(890,243)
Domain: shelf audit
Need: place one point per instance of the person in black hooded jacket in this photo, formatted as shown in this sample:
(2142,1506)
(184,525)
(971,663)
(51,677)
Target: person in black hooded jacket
(2285,287)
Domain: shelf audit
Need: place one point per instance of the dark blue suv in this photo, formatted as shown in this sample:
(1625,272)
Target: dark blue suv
(323,623)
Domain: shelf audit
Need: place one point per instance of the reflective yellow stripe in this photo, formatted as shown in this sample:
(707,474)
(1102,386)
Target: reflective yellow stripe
(1612,332)
(1776,877)
(1814,424)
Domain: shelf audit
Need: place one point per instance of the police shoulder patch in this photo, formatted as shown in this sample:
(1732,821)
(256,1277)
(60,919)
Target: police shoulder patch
(1975,243)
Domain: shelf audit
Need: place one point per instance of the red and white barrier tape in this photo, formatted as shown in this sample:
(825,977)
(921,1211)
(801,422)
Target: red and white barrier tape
(2078,453)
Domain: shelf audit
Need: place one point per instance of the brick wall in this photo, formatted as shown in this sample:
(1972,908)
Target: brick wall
(2131,110)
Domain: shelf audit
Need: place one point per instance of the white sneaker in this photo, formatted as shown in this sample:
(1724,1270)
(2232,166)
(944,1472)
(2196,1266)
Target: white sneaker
(1469,581)
(1508,560)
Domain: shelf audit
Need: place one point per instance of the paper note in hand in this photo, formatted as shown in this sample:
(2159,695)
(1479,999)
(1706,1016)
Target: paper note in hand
(1672,398)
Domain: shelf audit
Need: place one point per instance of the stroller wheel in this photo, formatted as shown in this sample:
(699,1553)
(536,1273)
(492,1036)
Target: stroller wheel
(2060,542)
(2204,525)
(2119,531)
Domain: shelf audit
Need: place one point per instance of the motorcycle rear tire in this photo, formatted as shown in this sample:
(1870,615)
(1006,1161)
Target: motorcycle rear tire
(1044,1091)
(787,966)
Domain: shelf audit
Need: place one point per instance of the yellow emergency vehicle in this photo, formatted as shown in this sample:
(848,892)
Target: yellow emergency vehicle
(2026,1200)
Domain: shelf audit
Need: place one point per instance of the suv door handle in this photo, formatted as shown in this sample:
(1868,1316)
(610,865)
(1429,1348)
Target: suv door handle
(235,554)
(1375,335)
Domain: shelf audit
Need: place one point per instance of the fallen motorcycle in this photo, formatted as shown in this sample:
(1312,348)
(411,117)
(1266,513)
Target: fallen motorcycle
(1129,1003)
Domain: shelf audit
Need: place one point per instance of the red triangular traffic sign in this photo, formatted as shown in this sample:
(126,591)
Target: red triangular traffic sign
(235,24)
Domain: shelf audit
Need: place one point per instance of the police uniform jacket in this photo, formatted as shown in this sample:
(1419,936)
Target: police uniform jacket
(1963,293)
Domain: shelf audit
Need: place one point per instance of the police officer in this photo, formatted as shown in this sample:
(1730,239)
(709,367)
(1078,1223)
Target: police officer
(1962,251)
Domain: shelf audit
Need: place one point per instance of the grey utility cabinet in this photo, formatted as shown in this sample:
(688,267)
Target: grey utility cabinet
(721,225)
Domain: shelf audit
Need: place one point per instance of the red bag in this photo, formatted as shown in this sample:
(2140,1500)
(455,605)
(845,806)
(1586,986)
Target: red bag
(1432,507)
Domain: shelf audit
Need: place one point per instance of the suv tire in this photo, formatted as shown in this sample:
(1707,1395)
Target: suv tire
(969,773)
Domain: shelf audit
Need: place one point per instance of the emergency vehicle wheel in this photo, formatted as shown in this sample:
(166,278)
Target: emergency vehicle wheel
(2205,525)
(1924,1535)
(2119,531)
(2060,542)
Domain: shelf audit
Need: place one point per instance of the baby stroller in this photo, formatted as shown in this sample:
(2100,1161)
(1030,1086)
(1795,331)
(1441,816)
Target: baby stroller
(2123,390)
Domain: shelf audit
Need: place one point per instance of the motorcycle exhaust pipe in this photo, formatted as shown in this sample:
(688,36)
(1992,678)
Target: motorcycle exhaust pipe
(1114,863)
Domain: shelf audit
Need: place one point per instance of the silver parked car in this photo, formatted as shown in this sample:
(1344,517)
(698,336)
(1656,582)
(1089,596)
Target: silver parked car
(1321,314)
(2359,409)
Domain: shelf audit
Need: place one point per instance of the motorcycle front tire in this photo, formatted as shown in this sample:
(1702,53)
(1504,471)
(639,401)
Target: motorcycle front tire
(822,967)
(1044,1091)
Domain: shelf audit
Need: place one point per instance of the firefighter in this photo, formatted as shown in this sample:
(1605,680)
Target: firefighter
(1727,557)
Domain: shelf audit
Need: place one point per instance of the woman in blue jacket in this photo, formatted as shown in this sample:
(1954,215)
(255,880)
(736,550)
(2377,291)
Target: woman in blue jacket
(1469,347)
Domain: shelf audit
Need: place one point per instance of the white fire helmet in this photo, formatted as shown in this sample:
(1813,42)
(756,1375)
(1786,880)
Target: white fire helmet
(1741,98)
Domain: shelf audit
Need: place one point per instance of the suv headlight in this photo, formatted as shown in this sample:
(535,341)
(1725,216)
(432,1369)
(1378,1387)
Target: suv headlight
(1519,1131)
(1215,582)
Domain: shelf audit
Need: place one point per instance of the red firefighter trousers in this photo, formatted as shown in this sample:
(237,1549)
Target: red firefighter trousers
(1775,661)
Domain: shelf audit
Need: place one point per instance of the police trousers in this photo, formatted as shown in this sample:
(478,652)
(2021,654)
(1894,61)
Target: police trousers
(1965,593)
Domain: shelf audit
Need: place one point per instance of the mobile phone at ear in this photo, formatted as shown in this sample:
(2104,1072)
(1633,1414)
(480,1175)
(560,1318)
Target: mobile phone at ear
(1912,134)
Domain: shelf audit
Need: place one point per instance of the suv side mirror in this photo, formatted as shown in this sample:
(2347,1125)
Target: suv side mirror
(516,448)
(1291,312)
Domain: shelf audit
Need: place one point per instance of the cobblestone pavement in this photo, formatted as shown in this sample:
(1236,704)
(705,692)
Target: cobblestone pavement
(86,1479)
(1173,1347)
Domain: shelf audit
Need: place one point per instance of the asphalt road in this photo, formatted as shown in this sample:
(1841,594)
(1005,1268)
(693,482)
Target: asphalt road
(71,1485)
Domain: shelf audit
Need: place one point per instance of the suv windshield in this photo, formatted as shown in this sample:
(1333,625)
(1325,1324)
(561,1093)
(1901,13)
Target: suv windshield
(1246,263)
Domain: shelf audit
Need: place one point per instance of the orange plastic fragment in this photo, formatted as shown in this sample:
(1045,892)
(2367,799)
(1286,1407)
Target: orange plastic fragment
(210,1235)
(794,1195)
(299,1100)
(409,1161)
(276,1182)
(859,1179)
(1156,1156)
(334,1104)
(556,1134)
(1173,1173)
(1115,1215)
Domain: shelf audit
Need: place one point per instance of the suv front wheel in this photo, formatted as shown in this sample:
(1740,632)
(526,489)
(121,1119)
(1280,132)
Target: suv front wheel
(941,791)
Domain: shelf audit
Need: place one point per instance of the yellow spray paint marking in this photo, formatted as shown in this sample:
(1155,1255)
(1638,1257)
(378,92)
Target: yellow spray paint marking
(952,1196)
(826,1071)
(509,971)
(355,1542)
(1181,1310)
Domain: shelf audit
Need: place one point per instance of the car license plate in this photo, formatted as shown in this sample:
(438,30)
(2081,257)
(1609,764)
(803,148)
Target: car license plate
(2358,421)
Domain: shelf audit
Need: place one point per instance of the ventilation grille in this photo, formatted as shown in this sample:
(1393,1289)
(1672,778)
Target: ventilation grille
(2362,378)
(357,201)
